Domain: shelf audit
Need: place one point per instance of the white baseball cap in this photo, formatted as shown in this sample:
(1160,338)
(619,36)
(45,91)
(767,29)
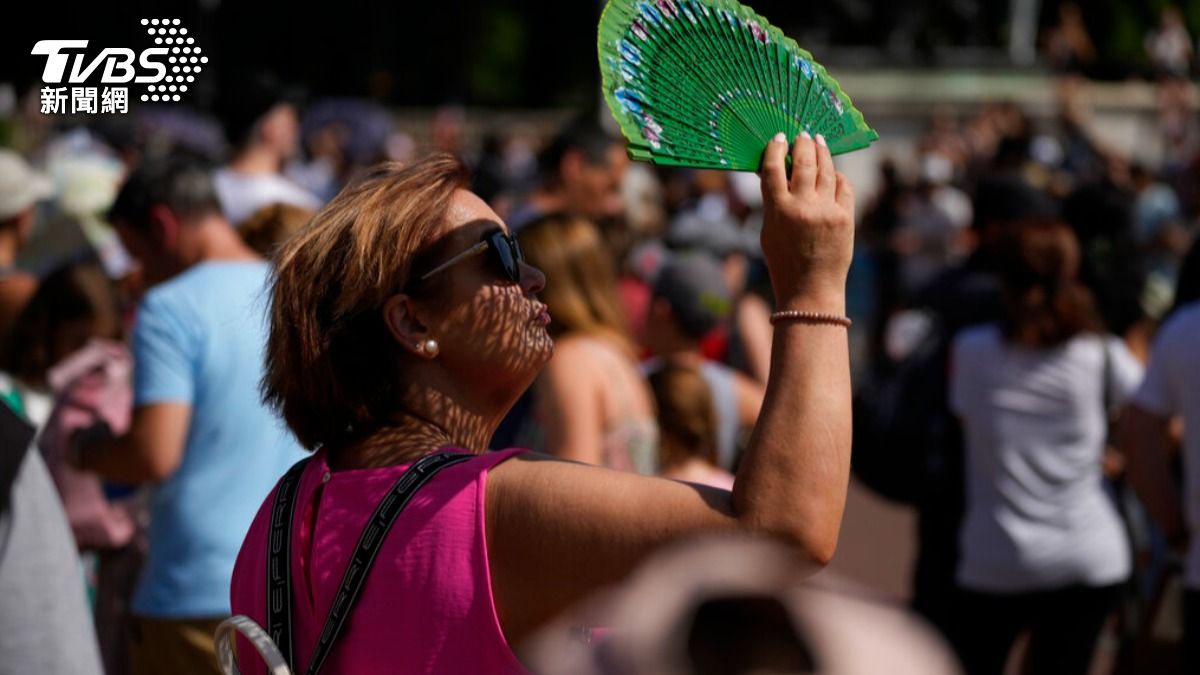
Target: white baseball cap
(20,186)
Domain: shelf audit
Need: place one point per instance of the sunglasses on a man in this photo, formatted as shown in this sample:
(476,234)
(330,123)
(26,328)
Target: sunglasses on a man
(504,250)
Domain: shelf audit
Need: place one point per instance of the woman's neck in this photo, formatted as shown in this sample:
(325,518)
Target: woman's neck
(409,437)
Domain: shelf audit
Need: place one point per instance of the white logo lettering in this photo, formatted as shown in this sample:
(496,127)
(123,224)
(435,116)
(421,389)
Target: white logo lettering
(152,65)
(56,63)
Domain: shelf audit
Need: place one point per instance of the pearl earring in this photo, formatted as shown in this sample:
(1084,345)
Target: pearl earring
(429,347)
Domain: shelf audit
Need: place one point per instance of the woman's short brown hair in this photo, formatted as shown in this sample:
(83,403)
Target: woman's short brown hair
(330,362)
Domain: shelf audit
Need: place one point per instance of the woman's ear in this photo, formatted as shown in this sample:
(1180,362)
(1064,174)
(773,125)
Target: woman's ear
(402,317)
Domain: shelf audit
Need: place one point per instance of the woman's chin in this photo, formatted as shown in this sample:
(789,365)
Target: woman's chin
(542,345)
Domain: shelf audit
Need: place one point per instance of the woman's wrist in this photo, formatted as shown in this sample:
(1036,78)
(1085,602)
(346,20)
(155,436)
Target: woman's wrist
(825,301)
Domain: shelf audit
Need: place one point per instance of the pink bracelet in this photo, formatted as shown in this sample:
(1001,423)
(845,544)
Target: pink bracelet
(811,317)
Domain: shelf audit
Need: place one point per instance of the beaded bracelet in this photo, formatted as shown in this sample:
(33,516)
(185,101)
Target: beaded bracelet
(811,317)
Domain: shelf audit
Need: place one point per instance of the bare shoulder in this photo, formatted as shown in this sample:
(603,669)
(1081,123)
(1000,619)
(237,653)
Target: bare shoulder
(571,352)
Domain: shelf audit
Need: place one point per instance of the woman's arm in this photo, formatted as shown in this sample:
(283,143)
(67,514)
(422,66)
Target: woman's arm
(558,531)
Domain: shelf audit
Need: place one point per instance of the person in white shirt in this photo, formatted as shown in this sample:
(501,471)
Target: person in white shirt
(1171,391)
(1042,547)
(263,127)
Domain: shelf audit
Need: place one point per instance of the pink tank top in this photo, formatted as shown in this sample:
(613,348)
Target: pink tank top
(427,604)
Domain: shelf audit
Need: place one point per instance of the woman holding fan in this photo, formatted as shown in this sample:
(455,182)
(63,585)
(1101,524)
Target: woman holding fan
(405,323)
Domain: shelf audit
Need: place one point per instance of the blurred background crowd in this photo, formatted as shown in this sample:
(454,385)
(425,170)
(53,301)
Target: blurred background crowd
(1026,340)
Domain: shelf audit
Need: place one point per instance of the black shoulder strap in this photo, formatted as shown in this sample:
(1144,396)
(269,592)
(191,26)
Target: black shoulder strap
(279,568)
(279,615)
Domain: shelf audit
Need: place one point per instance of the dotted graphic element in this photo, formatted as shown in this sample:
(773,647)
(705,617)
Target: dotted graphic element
(173,39)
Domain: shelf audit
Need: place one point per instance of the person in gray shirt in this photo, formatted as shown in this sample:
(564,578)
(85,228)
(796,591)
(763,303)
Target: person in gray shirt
(45,623)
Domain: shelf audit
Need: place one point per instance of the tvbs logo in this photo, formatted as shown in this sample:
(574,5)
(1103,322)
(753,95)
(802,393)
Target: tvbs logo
(118,63)
(166,69)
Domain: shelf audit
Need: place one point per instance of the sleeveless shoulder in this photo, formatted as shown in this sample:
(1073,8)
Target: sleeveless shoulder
(430,585)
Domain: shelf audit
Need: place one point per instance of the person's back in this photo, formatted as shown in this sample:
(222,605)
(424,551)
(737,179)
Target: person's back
(427,606)
(1035,423)
(1041,546)
(199,338)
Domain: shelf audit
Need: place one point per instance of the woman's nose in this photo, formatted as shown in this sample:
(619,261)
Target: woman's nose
(533,280)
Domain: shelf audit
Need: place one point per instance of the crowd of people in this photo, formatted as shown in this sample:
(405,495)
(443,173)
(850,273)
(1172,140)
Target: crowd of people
(1024,303)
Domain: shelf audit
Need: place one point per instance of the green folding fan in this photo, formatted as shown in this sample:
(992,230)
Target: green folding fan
(708,83)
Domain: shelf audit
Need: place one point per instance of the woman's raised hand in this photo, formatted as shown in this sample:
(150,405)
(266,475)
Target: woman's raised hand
(808,225)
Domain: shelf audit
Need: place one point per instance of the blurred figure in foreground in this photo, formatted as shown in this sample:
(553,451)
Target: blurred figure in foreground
(199,431)
(1042,546)
(722,605)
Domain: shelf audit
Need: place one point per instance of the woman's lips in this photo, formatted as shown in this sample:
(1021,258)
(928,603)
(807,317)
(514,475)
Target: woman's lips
(542,315)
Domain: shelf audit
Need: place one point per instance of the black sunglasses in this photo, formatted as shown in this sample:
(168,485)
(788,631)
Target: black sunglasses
(505,250)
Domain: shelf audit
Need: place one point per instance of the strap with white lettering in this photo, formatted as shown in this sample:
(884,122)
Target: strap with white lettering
(279,615)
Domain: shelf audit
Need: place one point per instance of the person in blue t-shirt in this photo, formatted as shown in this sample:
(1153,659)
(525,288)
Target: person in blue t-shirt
(200,432)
